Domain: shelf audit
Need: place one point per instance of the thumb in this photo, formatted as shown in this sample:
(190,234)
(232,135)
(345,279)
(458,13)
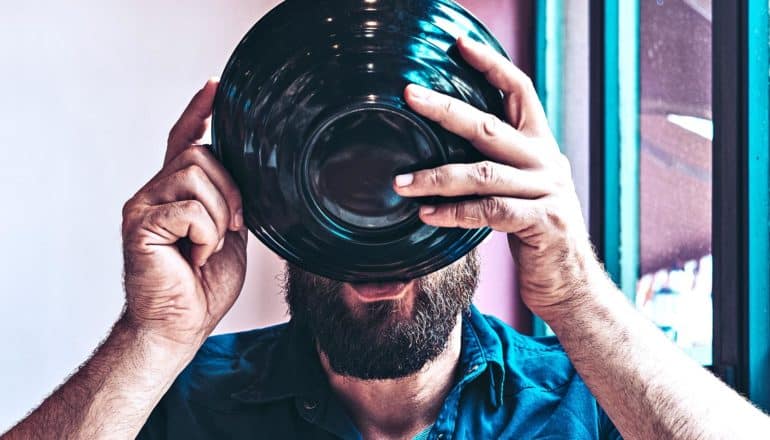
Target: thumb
(194,122)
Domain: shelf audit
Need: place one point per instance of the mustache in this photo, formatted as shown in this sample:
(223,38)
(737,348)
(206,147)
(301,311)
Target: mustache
(463,270)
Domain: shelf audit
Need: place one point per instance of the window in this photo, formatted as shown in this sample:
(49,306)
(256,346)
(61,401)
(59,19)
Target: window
(678,169)
(675,171)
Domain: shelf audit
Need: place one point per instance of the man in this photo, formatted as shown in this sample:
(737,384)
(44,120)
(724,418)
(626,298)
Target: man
(380,361)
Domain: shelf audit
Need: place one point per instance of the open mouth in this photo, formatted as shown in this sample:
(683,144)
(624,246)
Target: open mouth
(382,291)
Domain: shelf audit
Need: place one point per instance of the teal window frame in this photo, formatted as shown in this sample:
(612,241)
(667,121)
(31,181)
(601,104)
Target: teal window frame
(741,211)
(619,242)
(758,103)
(741,232)
(548,41)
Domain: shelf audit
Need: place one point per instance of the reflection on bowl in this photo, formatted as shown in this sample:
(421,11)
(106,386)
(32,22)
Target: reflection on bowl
(311,122)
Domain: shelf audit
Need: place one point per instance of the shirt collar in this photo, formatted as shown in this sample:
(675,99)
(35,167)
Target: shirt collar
(482,352)
(293,369)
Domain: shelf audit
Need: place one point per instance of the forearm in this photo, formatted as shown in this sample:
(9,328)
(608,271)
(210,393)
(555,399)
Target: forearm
(648,387)
(112,394)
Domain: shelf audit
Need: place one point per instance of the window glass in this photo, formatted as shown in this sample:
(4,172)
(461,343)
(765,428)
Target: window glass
(674,287)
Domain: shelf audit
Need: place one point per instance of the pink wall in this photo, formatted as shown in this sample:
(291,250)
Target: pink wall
(261,302)
(510,21)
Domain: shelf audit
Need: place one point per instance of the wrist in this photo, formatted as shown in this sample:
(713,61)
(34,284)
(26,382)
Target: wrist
(589,287)
(159,350)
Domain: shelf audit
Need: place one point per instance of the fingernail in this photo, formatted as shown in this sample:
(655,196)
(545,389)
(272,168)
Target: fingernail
(238,220)
(468,41)
(428,210)
(418,92)
(404,180)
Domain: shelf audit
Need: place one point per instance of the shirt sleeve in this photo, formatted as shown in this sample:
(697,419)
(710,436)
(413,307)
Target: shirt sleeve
(607,430)
(154,427)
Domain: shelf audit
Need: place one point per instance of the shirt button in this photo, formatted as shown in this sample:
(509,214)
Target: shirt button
(441,436)
(310,405)
(473,368)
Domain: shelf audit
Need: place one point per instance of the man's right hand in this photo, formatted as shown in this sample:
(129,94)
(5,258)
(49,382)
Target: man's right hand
(184,241)
(185,262)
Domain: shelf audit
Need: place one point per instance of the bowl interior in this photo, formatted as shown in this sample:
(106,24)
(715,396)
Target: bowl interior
(352,159)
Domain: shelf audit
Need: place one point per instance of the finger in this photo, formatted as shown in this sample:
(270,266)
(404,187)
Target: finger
(191,183)
(522,103)
(494,138)
(220,245)
(194,122)
(483,178)
(201,156)
(503,214)
(171,222)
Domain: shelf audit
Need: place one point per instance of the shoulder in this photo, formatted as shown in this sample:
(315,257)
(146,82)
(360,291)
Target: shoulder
(541,388)
(235,345)
(531,362)
(202,396)
(226,364)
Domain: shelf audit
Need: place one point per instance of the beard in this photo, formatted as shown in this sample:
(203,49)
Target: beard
(387,339)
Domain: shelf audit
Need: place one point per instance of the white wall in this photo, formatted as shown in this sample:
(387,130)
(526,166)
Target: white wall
(89,90)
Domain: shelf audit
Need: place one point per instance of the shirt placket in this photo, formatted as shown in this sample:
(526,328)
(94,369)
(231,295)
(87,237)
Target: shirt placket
(447,419)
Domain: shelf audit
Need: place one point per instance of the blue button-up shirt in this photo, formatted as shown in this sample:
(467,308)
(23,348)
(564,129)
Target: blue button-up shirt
(269,384)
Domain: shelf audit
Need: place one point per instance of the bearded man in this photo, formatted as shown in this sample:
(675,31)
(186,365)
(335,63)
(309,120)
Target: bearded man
(403,360)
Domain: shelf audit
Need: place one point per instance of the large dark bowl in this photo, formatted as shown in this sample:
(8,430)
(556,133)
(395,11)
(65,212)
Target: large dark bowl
(311,122)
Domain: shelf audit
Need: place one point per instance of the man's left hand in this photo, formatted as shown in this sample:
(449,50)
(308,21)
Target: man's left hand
(525,188)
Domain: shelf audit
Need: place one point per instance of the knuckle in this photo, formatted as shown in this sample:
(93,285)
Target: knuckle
(460,214)
(484,173)
(435,177)
(447,109)
(562,172)
(195,154)
(553,215)
(529,84)
(542,216)
(487,127)
(154,217)
(526,83)
(131,212)
(490,206)
(448,106)
(194,172)
(500,72)
(458,211)
(127,226)
(534,217)
(470,215)
(190,207)
(495,210)
(183,209)
(129,208)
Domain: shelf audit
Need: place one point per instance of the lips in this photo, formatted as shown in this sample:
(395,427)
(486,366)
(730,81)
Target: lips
(371,292)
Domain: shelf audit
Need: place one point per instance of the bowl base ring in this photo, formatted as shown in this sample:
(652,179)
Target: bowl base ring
(347,168)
